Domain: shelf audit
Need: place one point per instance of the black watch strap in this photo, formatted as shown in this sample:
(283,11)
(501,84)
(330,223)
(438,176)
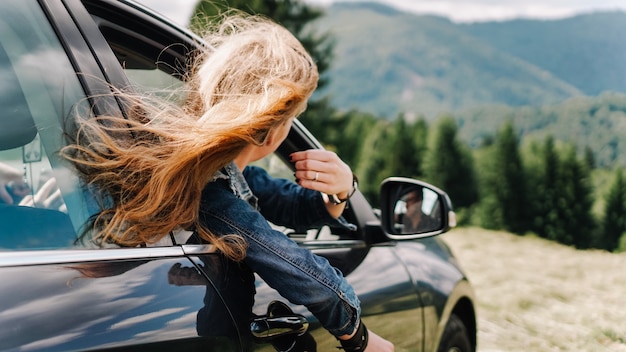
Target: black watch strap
(358,342)
(355,185)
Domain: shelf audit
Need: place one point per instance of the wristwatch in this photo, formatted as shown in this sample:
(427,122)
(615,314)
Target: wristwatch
(336,200)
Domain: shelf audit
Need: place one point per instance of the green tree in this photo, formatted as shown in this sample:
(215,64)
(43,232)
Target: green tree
(614,222)
(589,158)
(374,164)
(407,146)
(350,137)
(489,211)
(449,164)
(562,199)
(503,200)
(545,215)
(510,181)
(577,195)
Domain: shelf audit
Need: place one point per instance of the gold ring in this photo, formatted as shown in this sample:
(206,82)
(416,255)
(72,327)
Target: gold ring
(316,176)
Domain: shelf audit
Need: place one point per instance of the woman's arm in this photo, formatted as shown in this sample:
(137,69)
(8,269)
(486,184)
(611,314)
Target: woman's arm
(295,272)
(285,203)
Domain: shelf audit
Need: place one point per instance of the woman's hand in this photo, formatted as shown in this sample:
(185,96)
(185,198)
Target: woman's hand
(377,343)
(10,175)
(374,343)
(48,196)
(323,171)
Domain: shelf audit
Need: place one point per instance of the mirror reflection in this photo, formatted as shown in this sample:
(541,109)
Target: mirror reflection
(418,210)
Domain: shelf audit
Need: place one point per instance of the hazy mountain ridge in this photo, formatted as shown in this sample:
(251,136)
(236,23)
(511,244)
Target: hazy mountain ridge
(587,51)
(388,61)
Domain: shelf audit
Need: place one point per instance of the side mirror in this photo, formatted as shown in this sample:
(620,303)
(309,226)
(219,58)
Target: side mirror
(414,209)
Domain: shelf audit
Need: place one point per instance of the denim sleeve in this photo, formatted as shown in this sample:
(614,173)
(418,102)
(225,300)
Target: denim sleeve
(296,273)
(300,208)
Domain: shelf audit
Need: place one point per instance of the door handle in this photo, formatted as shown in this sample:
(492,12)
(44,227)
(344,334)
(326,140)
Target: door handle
(279,321)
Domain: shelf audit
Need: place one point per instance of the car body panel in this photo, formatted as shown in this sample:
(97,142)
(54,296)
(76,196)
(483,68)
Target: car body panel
(440,281)
(108,303)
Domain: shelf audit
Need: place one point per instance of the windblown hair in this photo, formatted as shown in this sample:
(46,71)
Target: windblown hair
(152,164)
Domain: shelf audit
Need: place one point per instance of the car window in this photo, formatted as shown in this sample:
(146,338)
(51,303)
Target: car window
(39,88)
(152,63)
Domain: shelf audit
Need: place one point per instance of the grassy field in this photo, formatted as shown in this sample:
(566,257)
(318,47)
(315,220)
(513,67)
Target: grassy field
(536,295)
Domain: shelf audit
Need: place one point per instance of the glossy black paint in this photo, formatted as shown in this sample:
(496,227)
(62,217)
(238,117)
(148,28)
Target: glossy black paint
(105,304)
(185,298)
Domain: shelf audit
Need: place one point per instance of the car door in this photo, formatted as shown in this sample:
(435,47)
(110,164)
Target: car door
(58,292)
(152,53)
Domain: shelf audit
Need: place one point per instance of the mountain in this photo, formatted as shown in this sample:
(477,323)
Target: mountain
(387,61)
(587,51)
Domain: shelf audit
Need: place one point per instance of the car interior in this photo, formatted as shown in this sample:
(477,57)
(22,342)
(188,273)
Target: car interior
(34,219)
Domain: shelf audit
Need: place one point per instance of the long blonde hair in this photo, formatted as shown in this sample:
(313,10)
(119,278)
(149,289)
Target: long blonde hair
(253,76)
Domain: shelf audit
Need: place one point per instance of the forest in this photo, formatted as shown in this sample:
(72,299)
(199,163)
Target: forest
(546,159)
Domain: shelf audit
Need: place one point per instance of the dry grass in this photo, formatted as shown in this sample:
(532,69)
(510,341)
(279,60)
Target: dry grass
(536,295)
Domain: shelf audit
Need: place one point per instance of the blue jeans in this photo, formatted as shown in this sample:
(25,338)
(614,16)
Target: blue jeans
(229,207)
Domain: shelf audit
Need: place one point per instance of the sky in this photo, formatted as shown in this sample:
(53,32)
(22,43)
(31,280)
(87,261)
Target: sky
(456,10)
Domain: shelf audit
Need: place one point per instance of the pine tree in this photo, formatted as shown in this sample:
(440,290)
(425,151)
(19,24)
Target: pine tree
(544,213)
(449,164)
(562,200)
(374,164)
(590,159)
(510,182)
(576,208)
(407,146)
(614,222)
(503,200)
(489,210)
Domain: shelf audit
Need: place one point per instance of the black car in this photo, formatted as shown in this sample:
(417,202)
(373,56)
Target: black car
(60,294)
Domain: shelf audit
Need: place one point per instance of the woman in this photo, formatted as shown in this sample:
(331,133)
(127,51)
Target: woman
(183,169)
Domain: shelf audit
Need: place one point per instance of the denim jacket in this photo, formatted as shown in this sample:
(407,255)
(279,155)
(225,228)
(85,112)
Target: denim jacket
(242,203)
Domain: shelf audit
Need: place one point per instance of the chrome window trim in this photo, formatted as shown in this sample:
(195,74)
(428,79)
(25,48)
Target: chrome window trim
(298,126)
(333,244)
(198,249)
(41,257)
